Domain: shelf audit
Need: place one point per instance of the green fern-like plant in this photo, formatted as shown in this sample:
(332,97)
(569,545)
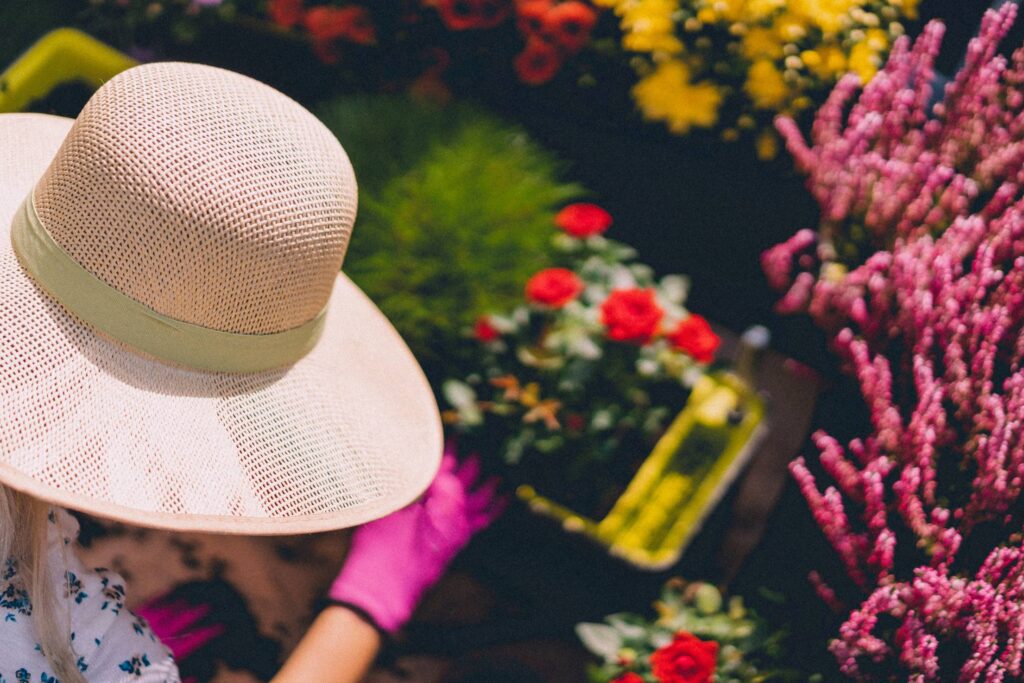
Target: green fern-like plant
(455,214)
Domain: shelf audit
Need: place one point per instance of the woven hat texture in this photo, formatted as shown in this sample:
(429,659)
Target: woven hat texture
(218,201)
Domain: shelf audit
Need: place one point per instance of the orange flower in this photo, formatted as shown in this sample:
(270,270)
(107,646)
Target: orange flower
(538,63)
(510,385)
(545,411)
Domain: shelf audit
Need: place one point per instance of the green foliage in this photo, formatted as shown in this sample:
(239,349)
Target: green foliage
(387,135)
(455,213)
(748,650)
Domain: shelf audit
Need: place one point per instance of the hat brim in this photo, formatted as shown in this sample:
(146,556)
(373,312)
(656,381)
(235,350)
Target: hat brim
(348,434)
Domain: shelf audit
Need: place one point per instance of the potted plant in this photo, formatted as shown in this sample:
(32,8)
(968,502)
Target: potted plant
(697,637)
(595,398)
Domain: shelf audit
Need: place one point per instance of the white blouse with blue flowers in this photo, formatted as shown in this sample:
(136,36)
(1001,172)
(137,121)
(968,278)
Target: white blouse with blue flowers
(112,644)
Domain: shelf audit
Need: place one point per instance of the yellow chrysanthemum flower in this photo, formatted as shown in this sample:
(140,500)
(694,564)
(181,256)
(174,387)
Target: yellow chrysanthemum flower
(825,62)
(726,10)
(790,27)
(866,56)
(760,42)
(765,85)
(767,145)
(907,8)
(706,15)
(877,39)
(759,10)
(828,15)
(668,94)
(648,26)
(652,42)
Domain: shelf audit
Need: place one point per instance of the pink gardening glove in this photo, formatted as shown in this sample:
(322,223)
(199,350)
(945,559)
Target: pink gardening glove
(394,560)
(174,622)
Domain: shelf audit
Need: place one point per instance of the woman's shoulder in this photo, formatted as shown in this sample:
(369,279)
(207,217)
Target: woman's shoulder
(111,643)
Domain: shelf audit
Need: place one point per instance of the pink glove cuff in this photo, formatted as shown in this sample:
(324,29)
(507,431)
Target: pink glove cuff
(387,612)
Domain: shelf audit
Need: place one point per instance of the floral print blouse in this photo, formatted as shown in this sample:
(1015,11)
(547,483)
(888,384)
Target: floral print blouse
(112,644)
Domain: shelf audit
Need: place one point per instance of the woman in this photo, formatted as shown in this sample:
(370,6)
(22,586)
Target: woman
(180,351)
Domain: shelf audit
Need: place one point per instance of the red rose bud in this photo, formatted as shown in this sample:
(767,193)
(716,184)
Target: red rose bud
(583,220)
(631,315)
(326,51)
(569,24)
(687,659)
(462,15)
(554,287)
(538,63)
(484,331)
(695,337)
(285,13)
(629,677)
(530,16)
(351,23)
(575,422)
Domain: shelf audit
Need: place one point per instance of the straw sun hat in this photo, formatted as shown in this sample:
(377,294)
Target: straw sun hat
(178,348)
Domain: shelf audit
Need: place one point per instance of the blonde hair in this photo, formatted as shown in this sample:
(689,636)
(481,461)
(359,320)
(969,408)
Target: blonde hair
(24,530)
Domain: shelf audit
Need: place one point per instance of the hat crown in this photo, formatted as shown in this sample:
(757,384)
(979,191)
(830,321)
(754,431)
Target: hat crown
(205,195)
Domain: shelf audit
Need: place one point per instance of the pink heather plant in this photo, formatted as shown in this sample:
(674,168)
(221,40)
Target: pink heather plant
(896,167)
(926,513)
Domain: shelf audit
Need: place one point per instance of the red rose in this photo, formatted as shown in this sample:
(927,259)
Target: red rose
(554,287)
(687,659)
(583,220)
(530,16)
(285,13)
(352,23)
(569,24)
(629,677)
(538,63)
(575,422)
(484,331)
(631,315)
(694,336)
(460,15)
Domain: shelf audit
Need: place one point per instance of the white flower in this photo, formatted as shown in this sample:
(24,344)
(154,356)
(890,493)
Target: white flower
(458,394)
(648,367)
(585,347)
(622,277)
(502,324)
(602,420)
(675,288)
(641,273)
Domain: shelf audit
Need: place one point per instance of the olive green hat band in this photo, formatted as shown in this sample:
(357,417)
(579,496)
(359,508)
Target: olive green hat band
(138,325)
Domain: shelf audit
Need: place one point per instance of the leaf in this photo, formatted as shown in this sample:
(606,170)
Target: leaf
(601,639)
(628,628)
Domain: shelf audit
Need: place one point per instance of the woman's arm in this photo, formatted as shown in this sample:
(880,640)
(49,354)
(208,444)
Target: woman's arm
(392,562)
(338,648)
